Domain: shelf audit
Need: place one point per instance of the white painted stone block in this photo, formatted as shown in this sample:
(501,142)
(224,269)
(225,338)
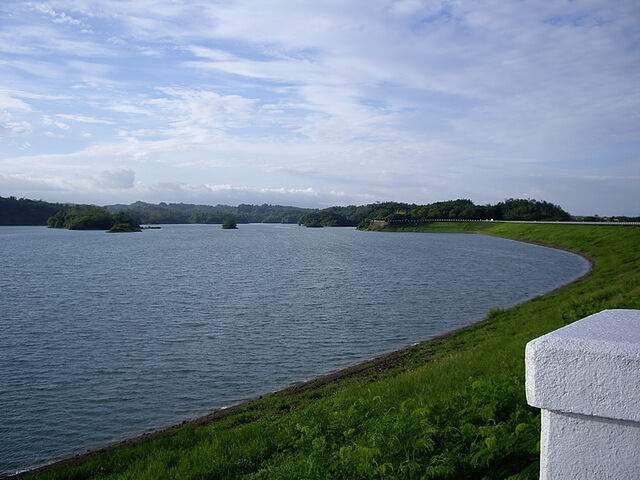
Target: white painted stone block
(586,379)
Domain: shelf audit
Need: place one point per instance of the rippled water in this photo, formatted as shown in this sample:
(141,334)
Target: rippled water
(107,336)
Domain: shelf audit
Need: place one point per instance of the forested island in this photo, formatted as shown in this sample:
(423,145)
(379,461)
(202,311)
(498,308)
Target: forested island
(86,217)
(229,224)
(23,211)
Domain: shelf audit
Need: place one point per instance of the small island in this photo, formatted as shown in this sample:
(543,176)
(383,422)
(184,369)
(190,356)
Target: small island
(229,224)
(123,228)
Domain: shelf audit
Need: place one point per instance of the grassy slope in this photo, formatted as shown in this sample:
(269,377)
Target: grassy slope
(450,408)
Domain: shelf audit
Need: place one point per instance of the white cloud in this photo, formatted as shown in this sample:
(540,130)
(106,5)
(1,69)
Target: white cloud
(84,119)
(8,101)
(277,191)
(116,179)
(13,128)
(58,17)
(129,109)
(405,99)
(48,121)
(27,36)
(235,194)
(52,135)
(214,54)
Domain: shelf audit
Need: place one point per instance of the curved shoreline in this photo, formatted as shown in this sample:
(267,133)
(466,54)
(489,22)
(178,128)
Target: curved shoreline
(379,363)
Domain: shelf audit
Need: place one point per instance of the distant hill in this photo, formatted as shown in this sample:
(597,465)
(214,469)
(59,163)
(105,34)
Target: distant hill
(22,211)
(148,213)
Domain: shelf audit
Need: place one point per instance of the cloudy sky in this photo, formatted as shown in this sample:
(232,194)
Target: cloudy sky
(319,103)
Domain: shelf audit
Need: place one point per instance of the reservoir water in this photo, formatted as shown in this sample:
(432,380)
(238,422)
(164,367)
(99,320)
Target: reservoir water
(107,336)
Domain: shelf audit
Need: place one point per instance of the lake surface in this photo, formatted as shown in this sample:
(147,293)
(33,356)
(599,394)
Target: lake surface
(104,337)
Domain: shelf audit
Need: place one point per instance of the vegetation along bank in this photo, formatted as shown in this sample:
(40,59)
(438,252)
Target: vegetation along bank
(450,408)
(14,211)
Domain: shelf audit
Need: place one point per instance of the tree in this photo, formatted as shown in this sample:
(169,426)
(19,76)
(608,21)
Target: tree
(520,209)
(123,228)
(229,224)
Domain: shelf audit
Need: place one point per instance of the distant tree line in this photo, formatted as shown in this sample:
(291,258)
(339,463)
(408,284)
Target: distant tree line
(167,213)
(22,211)
(510,209)
(36,212)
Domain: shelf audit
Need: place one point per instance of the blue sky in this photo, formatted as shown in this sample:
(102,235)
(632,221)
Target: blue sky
(325,103)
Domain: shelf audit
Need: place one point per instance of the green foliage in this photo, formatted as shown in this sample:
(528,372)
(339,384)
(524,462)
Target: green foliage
(402,213)
(364,224)
(518,209)
(352,216)
(510,209)
(382,214)
(188,213)
(229,224)
(30,212)
(480,430)
(82,217)
(454,209)
(87,217)
(325,218)
(123,228)
(14,211)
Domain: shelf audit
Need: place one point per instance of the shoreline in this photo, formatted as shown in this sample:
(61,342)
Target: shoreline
(381,363)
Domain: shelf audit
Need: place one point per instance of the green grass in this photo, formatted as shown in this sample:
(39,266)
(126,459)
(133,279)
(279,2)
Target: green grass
(451,408)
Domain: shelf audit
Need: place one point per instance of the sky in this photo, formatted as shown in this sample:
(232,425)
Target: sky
(321,103)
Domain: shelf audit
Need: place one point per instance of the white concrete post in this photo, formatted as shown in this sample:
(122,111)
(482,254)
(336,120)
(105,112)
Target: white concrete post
(586,379)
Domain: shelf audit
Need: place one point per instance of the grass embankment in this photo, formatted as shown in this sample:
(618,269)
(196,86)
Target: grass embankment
(450,408)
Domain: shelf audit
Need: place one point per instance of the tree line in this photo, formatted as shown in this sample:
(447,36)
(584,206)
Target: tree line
(510,209)
(147,213)
(22,211)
